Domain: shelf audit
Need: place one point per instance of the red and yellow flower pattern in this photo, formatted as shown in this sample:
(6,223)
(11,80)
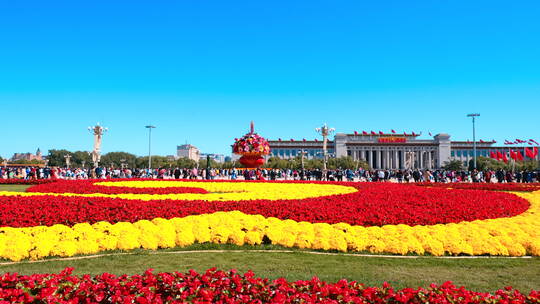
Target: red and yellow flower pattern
(67,218)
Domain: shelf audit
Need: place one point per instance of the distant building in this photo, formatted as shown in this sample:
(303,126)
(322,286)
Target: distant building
(188,151)
(27,156)
(219,158)
(389,151)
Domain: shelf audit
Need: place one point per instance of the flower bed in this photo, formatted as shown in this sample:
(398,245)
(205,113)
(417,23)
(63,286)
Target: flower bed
(487,186)
(18,181)
(370,217)
(367,204)
(216,286)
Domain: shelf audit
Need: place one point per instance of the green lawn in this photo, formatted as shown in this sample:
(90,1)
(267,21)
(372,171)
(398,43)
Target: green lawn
(484,274)
(18,188)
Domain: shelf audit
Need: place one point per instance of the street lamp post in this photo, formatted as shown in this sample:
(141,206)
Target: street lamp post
(325,131)
(150,127)
(474,115)
(98,132)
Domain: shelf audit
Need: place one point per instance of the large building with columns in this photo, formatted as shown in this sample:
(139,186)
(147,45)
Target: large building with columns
(388,151)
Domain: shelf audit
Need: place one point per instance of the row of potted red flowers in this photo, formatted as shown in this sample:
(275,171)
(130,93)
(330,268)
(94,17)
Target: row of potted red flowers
(18,181)
(216,286)
(87,186)
(522,187)
(375,204)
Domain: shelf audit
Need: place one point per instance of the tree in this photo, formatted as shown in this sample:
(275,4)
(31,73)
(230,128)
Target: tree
(185,162)
(486,163)
(231,164)
(115,159)
(56,157)
(203,163)
(157,162)
(80,157)
(346,162)
(453,165)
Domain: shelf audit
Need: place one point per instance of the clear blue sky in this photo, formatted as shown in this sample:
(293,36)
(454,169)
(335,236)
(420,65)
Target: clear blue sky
(201,70)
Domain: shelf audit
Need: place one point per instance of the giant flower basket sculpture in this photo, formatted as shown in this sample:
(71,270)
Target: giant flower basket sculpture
(252,147)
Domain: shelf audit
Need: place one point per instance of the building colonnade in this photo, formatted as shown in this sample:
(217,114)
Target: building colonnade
(396,157)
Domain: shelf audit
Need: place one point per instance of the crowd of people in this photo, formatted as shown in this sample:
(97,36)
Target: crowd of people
(444,176)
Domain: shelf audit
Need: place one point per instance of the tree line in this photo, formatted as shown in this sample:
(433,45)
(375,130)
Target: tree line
(118,159)
(487,163)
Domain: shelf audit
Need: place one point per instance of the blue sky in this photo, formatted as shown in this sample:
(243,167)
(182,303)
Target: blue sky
(201,70)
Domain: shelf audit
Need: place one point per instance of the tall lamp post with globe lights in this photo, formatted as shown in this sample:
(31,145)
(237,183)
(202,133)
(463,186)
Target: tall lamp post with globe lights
(98,132)
(325,131)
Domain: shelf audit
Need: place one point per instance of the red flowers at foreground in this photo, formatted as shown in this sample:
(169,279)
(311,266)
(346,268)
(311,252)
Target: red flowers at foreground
(228,287)
(375,204)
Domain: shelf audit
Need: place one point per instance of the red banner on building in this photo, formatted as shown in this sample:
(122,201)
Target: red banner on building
(392,139)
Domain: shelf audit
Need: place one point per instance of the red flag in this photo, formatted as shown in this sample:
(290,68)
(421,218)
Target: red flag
(364,133)
(279,139)
(535,152)
(413,134)
(393,131)
(303,139)
(519,156)
(499,155)
(405,133)
(529,153)
(534,141)
(493,155)
(316,139)
(381,132)
(292,139)
(373,133)
(430,134)
(505,158)
(481,141)
(513,155)
(355,132)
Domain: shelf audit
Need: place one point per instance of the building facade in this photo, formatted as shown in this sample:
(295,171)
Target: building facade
(188,151)
(390,151)
(27,156)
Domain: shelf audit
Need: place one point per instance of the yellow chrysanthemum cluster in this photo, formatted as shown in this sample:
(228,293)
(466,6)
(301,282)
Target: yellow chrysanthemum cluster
(515,236)
(217,191)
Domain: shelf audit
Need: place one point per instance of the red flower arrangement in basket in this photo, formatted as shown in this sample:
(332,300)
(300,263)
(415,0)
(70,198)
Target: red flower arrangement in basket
(252,147)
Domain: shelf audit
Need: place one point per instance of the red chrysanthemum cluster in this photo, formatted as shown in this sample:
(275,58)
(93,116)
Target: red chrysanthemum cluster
(487,186)
(216,286)
(375,204)
(17,181)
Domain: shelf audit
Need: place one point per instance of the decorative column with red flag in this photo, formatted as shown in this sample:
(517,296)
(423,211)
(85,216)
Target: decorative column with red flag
(529,153)
(513,155)
(505,158)
(519,156)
